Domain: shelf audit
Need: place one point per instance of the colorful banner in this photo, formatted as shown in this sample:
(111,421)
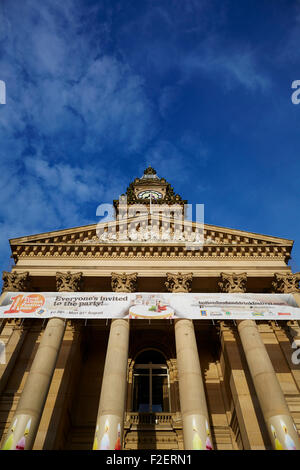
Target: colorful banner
(150,306)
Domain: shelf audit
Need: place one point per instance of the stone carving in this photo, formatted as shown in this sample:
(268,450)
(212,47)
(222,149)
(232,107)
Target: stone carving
(286,283)
(68,282)
(179,282)
(15,282)
(232,282)
(122,282)
(150,234)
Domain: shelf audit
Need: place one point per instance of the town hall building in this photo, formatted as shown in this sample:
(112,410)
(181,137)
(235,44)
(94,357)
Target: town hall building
(165,383)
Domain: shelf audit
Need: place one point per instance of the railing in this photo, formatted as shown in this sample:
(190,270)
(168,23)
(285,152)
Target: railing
(151,419)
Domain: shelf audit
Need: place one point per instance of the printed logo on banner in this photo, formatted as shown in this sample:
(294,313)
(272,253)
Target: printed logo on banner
(203,313)
(26,304)
(257,314)
(283,313)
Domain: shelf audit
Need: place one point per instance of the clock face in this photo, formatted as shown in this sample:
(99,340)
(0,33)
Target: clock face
(147,194)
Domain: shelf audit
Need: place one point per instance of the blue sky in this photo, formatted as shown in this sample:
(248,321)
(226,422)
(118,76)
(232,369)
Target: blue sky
(201,90)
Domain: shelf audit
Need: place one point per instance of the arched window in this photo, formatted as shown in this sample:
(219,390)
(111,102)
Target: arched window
(151,389)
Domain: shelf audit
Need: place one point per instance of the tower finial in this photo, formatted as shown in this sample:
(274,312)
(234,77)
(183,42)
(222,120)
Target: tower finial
(150,171)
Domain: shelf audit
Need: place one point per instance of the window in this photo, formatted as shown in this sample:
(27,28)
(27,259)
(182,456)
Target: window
(151,388)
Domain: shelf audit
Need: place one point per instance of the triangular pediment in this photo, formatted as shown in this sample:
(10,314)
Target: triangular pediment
(164,238)
(87,234)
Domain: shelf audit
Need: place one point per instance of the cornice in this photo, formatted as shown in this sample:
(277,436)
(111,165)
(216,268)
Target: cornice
(145,250)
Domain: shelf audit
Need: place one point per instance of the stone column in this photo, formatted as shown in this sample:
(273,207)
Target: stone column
(24,426)
(26,420)
(110,420)
(241,395)
(196,431)
(13,346)
(277,417)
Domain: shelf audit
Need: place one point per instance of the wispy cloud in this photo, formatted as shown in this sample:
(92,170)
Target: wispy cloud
(70,105)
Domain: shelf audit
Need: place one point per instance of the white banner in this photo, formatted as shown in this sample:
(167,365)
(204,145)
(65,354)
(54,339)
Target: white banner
(149,305)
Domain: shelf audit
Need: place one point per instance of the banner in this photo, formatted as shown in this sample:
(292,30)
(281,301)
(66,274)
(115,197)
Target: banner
(150,306)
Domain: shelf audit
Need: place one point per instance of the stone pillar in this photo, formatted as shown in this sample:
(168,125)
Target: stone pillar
(196,431)
(110,420)
(24,426)
(277,417)
(241,394)
(12,349)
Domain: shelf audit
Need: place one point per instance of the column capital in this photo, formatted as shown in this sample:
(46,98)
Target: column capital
(286,283)
(179,282)
(122,282)
(15,282)
(68,282)
(233,282)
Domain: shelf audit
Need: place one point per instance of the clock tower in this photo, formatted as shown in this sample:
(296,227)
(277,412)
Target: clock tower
(150,189)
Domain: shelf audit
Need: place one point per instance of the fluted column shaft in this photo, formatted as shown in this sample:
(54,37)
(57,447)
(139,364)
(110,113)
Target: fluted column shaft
(277,417)
(196,432)
(25,423)
(110,420)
